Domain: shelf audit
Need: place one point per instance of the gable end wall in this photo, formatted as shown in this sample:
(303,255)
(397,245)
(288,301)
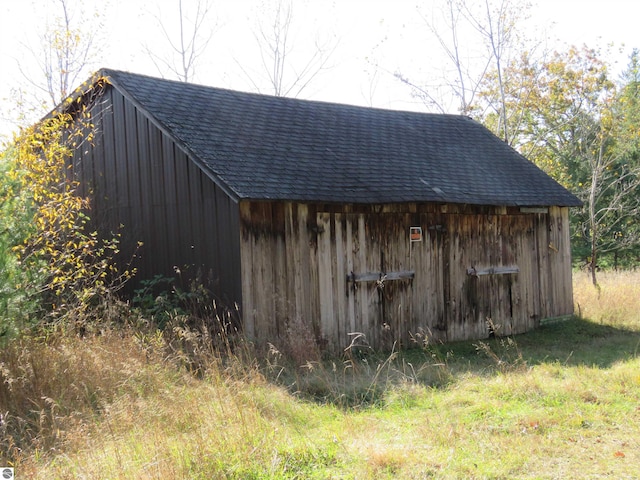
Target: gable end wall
(146,187)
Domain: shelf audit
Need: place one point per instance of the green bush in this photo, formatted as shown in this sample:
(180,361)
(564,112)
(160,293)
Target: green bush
(15,226)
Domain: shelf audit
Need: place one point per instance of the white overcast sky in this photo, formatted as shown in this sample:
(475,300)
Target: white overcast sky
(389,33)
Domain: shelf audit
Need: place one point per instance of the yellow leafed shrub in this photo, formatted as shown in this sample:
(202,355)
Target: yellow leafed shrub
(70,266)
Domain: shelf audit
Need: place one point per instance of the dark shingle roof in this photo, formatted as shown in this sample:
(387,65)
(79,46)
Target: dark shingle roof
(264,147)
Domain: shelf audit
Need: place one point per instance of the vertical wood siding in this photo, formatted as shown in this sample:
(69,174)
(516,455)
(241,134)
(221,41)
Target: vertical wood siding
(279,271)
(297,261)
(139,178)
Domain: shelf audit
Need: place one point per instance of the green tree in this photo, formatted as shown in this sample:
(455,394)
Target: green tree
(14,225)
(626,149)
(576,123)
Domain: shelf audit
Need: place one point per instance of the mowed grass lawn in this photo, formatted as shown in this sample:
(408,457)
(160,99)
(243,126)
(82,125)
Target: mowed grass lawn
(560,402)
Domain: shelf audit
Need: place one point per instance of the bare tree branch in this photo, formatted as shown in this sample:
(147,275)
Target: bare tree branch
(65,54)
(190,45)
(285,73)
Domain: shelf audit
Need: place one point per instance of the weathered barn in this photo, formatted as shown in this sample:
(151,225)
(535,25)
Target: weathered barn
(340,218)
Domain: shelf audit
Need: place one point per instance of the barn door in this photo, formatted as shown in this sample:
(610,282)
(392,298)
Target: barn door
(365,278)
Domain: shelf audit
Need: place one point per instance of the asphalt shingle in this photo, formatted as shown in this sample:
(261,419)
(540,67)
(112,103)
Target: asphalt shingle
(265,147)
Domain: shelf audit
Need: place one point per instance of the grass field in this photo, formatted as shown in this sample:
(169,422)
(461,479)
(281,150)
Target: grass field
(560,402)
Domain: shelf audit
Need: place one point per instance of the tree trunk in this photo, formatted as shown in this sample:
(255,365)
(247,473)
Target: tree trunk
(593,221)
(592,265)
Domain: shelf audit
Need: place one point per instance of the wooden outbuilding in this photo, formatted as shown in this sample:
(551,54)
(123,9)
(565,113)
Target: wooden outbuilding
(337,218)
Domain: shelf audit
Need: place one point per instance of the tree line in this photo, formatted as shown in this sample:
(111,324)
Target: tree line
(567,114)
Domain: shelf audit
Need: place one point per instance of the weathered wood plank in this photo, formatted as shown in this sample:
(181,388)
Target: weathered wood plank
(264,275)
(247,275)
(363,294)
(325,275)
(480,271)
(340,285)
(349,254)
(303,277)
(278,254)
(380,276)
(542,239)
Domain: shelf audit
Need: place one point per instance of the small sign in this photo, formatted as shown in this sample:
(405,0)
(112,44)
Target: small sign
(415,234)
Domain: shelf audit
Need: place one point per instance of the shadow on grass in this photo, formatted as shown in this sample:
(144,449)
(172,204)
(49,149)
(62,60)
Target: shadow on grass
(578,341)
(573,341)
(363,382)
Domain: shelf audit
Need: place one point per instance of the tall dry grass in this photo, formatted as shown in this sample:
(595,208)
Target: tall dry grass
(52,384)
(58,382)
(192,403)
(615,301)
